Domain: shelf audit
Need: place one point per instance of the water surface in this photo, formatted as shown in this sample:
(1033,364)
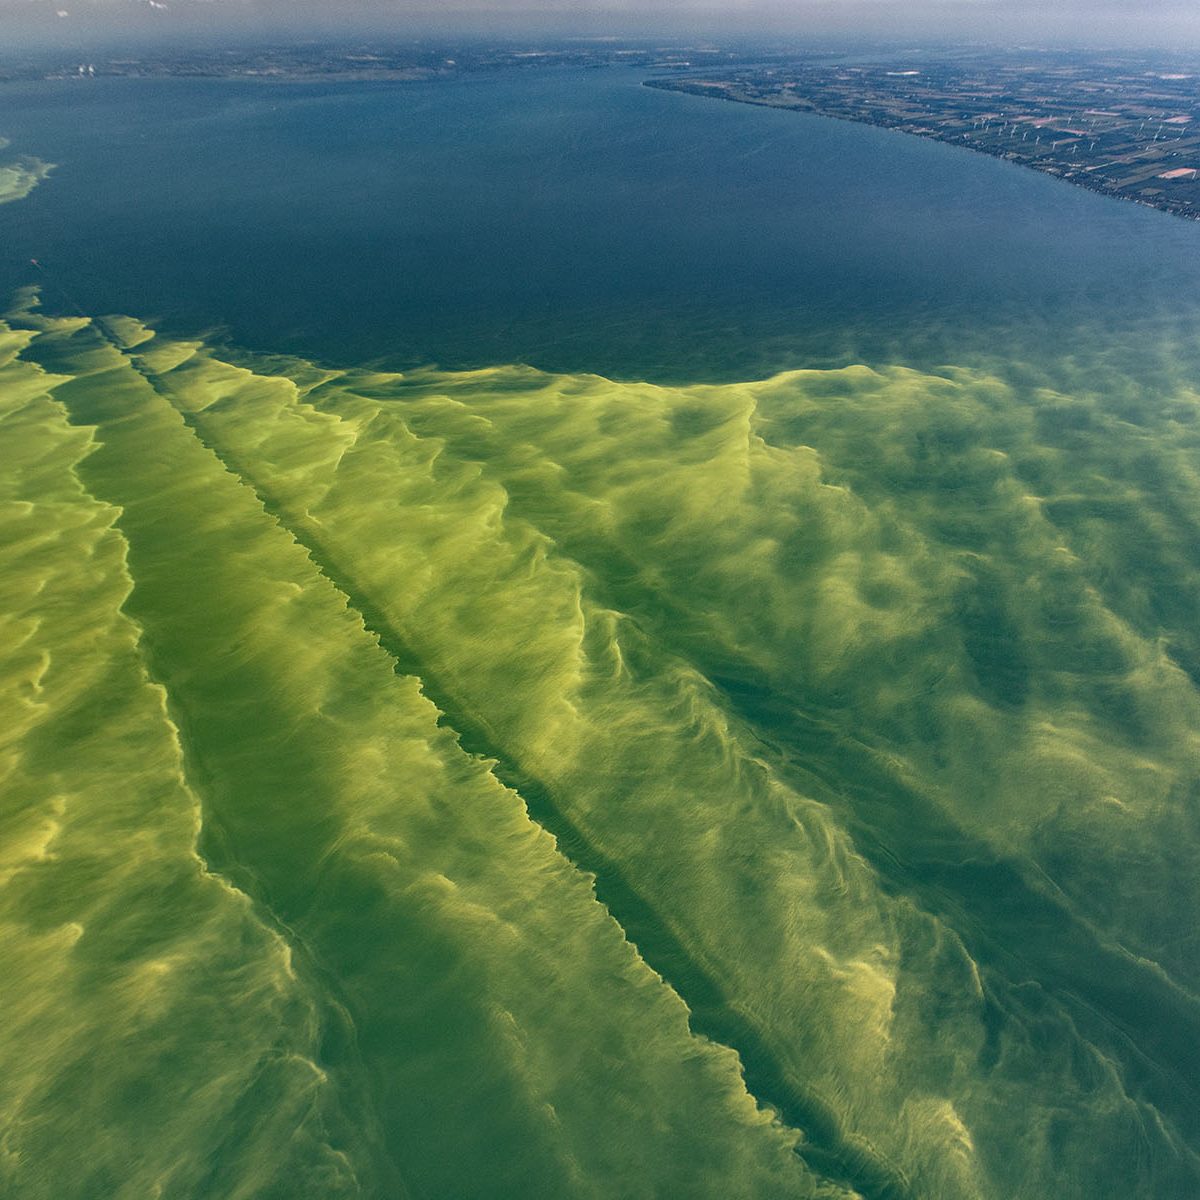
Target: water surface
(578,641)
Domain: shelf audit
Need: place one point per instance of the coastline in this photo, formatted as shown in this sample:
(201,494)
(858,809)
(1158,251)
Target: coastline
(1077,178)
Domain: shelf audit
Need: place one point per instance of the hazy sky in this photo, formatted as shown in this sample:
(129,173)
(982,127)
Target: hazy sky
(1086,22)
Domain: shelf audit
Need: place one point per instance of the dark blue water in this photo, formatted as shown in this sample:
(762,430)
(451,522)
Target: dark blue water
(572,219)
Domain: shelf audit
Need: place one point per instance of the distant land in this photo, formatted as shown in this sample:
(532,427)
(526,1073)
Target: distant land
(1125,127)
(399,60)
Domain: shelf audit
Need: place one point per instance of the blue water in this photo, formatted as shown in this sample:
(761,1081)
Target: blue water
(571,219)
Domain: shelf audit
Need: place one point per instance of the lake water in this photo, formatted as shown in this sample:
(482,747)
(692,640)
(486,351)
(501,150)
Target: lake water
(567,640)
(571,219)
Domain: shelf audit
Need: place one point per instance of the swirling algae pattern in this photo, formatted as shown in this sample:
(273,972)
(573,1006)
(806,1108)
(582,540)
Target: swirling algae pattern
(498,783)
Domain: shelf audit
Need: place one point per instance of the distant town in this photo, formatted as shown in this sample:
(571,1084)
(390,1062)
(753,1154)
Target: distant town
(1125,127)
(1120,124)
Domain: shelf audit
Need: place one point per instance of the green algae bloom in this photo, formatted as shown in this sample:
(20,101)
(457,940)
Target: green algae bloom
(499,783)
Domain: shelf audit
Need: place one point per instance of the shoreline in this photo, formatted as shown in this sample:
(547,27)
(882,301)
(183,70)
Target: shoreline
(704,91)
